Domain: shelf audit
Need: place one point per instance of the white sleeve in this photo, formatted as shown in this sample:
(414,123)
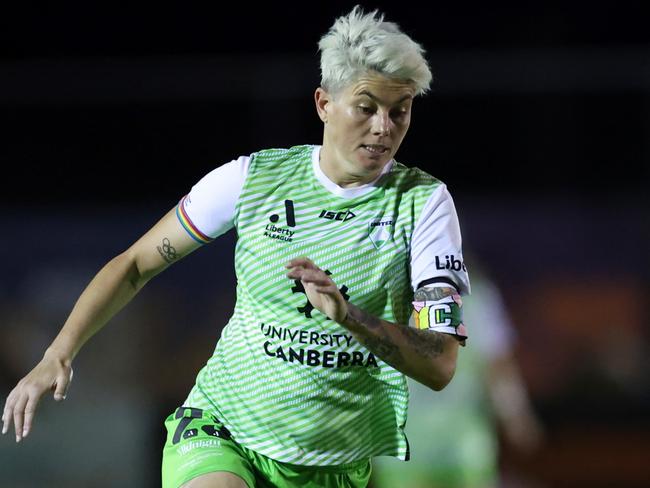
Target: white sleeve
(436,245)
(208,210)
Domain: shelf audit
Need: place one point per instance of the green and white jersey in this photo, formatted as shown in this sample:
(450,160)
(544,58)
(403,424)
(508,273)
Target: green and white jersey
(287,381)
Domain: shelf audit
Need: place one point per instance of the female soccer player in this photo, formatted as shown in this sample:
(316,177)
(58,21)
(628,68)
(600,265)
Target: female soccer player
(338,244)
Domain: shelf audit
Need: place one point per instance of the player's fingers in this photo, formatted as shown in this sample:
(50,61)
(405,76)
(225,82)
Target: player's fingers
(61,386)
(305,262)
(326,289)
(6,414)
(299,269)
(19,414)
(315,277)
(296,272)
(30,410)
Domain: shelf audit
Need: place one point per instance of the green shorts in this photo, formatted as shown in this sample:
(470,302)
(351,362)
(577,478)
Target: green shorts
(198,443)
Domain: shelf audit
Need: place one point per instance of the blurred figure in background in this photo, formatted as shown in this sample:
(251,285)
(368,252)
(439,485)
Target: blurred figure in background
(454,433)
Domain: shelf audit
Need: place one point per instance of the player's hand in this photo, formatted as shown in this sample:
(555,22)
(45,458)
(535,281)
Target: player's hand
(321,290)
(51,374)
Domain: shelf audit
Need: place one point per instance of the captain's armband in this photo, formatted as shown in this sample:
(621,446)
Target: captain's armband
(439,309)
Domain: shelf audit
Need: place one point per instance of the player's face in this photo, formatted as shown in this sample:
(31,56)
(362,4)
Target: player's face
(365,124)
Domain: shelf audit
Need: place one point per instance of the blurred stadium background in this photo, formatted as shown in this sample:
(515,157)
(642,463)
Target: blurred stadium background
(539,123)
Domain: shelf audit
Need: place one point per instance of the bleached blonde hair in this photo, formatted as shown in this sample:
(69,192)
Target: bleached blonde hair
(359,43)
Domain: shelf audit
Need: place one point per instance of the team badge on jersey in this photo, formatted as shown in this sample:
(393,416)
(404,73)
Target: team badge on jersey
(380,231)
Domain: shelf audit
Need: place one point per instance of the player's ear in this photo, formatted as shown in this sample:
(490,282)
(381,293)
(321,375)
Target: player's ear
(322,98)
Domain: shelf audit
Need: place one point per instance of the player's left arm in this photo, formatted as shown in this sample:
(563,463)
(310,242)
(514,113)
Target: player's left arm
(426,355)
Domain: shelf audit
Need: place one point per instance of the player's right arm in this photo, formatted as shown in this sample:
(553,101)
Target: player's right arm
(108,292)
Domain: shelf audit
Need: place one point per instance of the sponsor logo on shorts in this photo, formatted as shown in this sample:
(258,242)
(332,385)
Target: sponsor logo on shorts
(190,446)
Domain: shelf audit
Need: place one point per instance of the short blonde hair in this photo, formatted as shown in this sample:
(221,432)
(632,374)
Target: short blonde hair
(358,43)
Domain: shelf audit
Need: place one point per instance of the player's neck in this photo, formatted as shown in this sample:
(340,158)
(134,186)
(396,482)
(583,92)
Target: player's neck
(342,172)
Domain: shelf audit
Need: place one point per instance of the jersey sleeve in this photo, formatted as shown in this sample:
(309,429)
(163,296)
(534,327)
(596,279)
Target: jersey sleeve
(208,210)
(436,245)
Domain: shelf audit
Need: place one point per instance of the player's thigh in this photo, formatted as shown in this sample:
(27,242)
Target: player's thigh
(216,480)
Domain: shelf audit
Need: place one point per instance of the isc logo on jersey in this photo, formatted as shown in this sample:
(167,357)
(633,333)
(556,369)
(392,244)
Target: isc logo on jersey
(341,216)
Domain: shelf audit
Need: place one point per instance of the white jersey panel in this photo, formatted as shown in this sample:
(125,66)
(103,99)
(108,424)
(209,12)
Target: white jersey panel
(210,205)
(436,248)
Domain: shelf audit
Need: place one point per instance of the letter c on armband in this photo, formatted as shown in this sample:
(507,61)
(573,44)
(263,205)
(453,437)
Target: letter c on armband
(444,315)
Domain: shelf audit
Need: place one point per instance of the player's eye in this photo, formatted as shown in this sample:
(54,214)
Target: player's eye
(399,114)
(364,109)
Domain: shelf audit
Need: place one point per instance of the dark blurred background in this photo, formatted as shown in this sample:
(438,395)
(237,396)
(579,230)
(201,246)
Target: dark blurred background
(538,122)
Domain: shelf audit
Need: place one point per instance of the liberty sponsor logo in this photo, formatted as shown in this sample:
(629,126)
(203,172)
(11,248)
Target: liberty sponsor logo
(295,353)
(380,232)
(342,216)
(450,262)
(285,234)
(308,307)
(279,233)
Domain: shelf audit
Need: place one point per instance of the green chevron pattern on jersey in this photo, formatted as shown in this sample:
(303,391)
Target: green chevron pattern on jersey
(288,382)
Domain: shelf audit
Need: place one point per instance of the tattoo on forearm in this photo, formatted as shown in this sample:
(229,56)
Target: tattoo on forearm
(363,318)
(167,251)
(438,293)
(426,343)
(382,345)
(384,348)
